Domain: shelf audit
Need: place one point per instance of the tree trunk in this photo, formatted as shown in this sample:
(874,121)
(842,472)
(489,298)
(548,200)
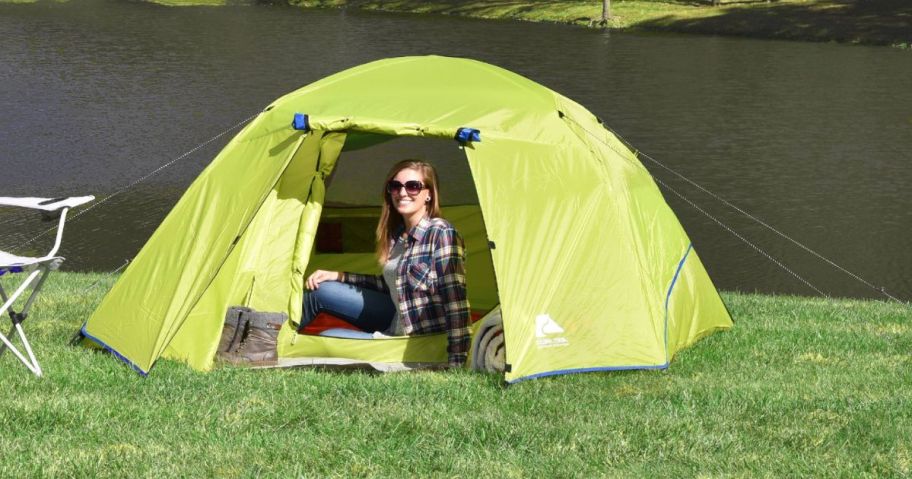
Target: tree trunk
(606,11)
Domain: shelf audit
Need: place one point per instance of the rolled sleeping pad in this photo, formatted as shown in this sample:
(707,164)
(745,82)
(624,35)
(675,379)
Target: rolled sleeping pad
(488,353)
(495,352)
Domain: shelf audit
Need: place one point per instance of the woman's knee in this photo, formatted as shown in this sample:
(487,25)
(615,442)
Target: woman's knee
(315,300)
(329,292)
(331,296)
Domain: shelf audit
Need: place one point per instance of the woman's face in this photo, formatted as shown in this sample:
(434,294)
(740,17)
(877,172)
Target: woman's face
(408,204)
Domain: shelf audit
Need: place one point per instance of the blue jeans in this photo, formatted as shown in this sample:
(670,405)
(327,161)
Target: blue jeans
(365,308)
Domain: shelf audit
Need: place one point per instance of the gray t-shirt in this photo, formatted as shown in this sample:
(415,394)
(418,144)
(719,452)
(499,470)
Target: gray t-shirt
(390,276)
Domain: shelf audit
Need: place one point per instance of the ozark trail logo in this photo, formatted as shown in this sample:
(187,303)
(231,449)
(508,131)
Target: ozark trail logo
(546,329)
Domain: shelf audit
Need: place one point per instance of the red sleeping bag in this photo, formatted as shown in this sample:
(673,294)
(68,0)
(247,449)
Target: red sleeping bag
(325,321)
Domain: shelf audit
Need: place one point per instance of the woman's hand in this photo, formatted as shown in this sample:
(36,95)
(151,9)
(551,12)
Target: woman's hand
(319,276)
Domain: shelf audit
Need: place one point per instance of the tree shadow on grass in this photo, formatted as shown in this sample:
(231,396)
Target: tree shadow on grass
(503,8)
(875,22)
(515,9)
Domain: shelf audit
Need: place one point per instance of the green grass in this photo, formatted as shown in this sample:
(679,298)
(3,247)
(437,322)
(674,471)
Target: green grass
(799,387)
(192,3)
(872,22)
(877,22)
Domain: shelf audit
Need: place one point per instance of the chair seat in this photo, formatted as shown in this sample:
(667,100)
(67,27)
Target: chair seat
(9,259)
(45,204)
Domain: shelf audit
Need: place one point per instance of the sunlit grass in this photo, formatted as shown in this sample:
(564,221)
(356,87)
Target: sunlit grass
(799,387)
(877,22)
(191,3)
(884,22)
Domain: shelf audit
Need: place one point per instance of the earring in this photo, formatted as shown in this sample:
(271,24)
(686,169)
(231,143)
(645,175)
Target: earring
(428,200)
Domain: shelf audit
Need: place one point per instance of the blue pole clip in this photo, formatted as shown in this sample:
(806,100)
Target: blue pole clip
(465,135)
(301,122)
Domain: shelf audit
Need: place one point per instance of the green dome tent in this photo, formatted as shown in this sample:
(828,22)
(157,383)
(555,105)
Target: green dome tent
(567,230)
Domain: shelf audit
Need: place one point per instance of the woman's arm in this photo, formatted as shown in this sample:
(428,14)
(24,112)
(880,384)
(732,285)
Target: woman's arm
(369,281)
(449,263)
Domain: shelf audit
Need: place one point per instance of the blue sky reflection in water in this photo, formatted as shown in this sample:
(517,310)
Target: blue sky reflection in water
(815,139)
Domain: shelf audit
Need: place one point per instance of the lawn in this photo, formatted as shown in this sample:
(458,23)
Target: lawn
(872,22)
(877,22)
(799,387)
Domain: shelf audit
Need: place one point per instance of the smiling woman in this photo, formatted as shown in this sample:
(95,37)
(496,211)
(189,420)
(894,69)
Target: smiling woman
(422,288)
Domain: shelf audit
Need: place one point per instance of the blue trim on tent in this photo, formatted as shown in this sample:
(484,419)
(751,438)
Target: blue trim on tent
(586,370)
(674,281)
(668,296)
(114,352)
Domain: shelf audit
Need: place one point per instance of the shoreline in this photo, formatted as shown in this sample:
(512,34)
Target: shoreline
(876,23)
(837,21)
(859,22)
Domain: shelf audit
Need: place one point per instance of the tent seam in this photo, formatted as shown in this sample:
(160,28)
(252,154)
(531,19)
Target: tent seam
(113,351)
(234,244)
(674,281)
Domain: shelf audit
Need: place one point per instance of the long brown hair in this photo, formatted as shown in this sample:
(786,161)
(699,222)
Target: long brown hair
(390,219)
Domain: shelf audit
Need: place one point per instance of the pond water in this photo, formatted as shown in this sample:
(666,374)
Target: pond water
(814,139)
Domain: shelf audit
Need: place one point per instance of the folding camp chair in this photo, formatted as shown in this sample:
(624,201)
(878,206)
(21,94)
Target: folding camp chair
(35,268)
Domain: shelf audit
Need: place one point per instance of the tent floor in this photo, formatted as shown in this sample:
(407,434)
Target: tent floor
(344,363)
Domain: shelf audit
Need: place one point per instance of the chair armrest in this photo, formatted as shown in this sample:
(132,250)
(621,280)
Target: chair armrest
(45,204)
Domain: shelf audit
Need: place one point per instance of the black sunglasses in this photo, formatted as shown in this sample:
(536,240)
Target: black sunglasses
(412,187)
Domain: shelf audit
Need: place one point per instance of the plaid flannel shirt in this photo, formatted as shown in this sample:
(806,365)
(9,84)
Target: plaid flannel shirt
(431,285)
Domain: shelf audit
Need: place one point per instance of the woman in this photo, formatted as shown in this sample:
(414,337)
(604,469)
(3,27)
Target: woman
(422,288)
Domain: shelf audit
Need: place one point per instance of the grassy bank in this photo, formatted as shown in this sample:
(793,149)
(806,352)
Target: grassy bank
(799,387)
(871,22)
(875,22)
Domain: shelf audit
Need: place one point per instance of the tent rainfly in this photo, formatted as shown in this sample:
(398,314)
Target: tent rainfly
(567,232)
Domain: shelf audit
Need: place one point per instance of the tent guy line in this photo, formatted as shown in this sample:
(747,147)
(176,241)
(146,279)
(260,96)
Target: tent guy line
(807,249)
(148,175)
(775,261)
(880,289)
(109,273)
(742,238)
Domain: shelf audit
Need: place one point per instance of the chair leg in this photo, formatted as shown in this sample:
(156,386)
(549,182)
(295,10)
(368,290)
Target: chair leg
(8,334)
(31,362)
(5,298)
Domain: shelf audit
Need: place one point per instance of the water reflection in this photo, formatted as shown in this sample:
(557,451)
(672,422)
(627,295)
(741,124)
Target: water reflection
(812,138)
